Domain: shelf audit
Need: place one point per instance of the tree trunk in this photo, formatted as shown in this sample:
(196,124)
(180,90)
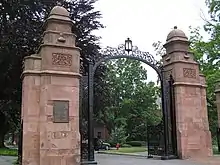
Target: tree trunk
(12,138)
(2,139)
(3,129)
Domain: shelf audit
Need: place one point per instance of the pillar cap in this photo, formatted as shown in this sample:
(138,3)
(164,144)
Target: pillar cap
(59,12)
(176,34)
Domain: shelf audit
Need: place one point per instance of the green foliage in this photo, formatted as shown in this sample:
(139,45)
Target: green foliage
(214,9)
(8,152)
(137,143)
(118,135)
(130,100)
(215,150)
(126,145)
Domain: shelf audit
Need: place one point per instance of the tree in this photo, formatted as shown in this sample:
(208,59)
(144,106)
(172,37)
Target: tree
(21,29)
(131,101)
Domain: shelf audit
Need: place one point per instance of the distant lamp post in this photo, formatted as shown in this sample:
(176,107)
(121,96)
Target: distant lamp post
(128,45)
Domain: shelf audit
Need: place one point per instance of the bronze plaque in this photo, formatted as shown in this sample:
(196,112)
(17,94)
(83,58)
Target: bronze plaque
(61,111)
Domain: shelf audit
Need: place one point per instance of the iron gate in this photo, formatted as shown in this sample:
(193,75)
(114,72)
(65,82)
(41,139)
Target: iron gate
(83,108)
(20,144)
(155,140)
(218,138)
(162,137)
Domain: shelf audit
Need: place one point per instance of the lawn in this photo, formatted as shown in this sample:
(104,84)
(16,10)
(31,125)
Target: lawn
(143,149)
(8,152)
(14,152)
(128,150)
(215,150)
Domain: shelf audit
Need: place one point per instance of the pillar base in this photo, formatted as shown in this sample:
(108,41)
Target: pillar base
(88,162)
(150,156)
(169,157)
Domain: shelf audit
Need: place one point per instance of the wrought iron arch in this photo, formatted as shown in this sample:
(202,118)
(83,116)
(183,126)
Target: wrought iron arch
(117,53)
(109,53)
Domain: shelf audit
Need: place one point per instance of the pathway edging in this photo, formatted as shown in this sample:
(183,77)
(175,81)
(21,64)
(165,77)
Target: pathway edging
(124,154)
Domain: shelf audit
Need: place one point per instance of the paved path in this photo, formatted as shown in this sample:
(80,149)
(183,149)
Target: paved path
(104,159)
(7,160)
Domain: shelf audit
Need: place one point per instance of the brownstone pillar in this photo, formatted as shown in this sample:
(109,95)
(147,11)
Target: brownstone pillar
(193,135)
(31,111)
(50,100)
(217,93)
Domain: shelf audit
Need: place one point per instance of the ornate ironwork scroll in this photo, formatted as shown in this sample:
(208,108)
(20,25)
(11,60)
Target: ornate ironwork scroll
(120,52)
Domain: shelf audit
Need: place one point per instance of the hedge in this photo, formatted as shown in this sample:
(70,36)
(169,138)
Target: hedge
(136,143)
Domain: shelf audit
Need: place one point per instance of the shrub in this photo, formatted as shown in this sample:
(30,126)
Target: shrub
(137,143)
(118,135)
(126,145)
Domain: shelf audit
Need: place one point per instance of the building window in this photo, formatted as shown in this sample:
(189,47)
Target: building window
(99,135)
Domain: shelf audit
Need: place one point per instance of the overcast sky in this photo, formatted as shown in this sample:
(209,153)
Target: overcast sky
(147,21)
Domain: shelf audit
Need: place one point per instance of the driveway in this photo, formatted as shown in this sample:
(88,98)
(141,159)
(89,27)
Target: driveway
(104,159)
(7,160)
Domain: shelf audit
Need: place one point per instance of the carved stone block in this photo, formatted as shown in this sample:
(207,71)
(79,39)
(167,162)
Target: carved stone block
(60,59)
(189,73)
(59,134)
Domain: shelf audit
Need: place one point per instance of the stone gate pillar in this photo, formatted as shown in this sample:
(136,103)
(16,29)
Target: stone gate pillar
(193,135)
(50,96)
(217,93)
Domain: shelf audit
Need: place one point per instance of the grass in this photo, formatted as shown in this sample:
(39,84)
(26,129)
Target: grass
(128,150)
(215,150)
(8,152)
(143,149)
(14,152)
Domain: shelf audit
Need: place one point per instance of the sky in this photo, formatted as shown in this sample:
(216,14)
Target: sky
(147,21)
